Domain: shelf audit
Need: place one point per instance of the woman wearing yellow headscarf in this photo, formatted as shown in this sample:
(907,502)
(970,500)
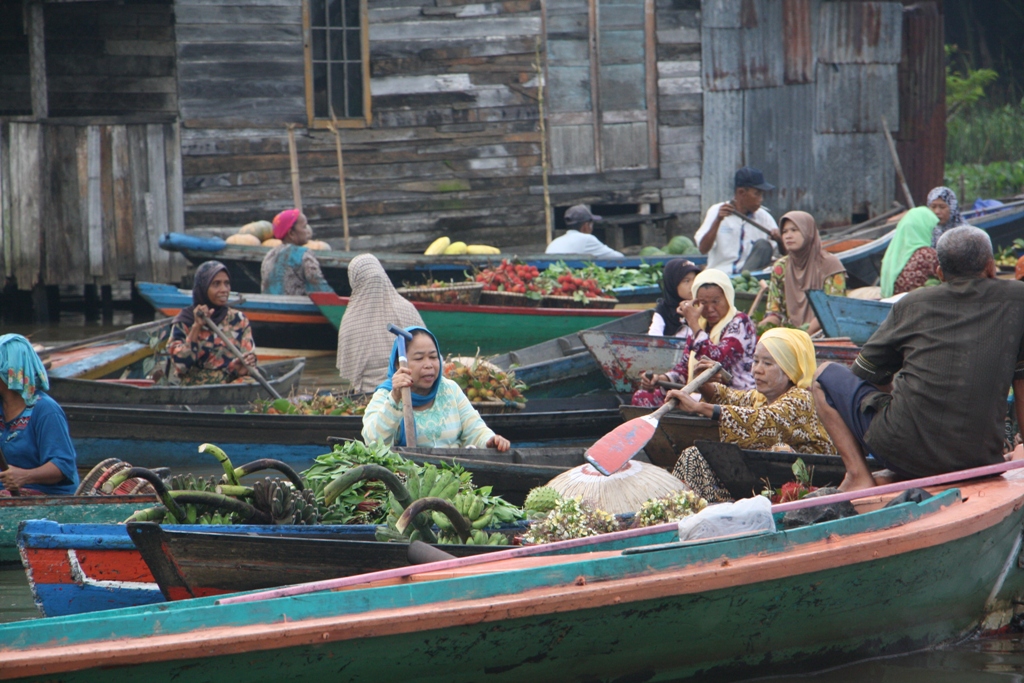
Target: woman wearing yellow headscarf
(718,331)
(779,414)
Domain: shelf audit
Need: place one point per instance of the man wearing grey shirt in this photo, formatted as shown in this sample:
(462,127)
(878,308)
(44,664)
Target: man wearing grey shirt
(578,239)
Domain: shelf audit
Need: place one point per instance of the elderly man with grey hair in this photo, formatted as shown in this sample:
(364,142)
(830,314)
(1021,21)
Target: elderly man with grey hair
(927,393)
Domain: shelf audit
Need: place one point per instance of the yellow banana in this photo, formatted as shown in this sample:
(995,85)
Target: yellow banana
(455,249)
(438,246)
(482,249)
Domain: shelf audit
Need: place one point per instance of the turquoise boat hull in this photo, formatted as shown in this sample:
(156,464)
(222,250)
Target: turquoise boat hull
(894,580)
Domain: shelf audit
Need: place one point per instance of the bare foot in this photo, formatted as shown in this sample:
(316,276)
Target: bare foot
(851,483)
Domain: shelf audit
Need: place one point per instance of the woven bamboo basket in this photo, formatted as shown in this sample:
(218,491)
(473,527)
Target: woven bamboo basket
(507,299)
(569,302)
(464,293)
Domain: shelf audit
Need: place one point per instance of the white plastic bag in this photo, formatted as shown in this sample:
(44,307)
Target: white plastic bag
(747,516)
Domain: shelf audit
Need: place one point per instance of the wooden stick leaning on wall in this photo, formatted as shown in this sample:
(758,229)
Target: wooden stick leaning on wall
(341,179)
(896,163)
(293,157)
(548,233)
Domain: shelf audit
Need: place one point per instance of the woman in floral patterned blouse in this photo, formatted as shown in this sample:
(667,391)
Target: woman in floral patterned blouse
(719,332)
(806,266)
(910,259)
(779,414)
(198,356)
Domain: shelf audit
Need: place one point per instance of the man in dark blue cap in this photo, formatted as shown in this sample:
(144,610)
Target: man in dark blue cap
(579,239)
(731,243)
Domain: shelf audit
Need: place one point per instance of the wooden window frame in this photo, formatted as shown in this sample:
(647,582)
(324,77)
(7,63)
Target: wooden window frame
(307,46)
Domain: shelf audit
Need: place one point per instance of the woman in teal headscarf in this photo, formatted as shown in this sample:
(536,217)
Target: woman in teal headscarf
(34,431)
(443,415)
(910,259)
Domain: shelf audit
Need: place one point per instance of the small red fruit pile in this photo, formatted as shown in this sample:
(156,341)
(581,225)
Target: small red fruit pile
(569,285)
(509,277)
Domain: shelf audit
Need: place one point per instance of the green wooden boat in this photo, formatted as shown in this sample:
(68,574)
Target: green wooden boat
(492,328)
(65,510)
(888,581)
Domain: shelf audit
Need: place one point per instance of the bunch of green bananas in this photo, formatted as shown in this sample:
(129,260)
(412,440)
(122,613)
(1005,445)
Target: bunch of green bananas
(190,482)
(283,503)
(431,482)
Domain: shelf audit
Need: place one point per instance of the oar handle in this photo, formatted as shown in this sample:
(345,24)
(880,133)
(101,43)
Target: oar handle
(747,219)
(228,342)
(403,362)
(691,386)
(761,289)
(3,468)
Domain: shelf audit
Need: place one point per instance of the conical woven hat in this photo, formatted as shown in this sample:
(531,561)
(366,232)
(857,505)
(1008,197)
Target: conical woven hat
(625,490)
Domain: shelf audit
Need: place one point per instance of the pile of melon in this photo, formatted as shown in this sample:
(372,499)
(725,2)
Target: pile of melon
(261,234)
(677,246)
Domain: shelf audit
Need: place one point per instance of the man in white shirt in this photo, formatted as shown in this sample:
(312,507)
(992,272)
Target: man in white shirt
(578,239)
(731,243)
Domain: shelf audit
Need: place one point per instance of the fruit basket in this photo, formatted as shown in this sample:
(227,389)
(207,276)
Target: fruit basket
(463,293)
(573,302)
(491,298)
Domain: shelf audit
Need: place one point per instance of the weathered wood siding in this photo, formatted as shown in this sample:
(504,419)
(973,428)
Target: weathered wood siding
(798,88)
(86,204)
(102,58)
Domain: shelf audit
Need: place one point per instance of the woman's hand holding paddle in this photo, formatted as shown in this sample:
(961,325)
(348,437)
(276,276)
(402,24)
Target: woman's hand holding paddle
(402,379)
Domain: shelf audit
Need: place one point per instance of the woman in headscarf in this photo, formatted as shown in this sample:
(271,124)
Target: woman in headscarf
(363,337)
(942,201)
(290,267)
(34,432)
(718,331)
(910,259)
(197,355)
(778,415)
(806,266)
(677,287)
(443,414)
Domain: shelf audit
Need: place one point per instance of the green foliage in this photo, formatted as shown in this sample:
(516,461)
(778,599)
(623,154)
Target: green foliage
(365,502)
(984,135)
(964,89)
(997,179)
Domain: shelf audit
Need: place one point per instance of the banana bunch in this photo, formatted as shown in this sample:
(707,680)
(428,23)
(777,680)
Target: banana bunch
(217,518)
(433,482)
(445,246)
(481,537)
(190,482)
(283,503)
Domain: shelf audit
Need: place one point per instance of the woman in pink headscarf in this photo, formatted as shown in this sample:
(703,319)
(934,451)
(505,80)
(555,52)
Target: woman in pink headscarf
(290,267)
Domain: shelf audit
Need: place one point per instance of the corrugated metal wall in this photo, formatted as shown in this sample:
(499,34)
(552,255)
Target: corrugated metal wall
(798,88)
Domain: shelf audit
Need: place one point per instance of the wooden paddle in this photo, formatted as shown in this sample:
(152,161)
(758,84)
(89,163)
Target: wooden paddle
(619,446)
(762,287)
(576,543)
(237,353)
(403,361)
(3,468)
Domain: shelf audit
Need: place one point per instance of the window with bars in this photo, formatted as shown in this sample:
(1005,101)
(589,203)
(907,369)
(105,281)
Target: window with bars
(337,64)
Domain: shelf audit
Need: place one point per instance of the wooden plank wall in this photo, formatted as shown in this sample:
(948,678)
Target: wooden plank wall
(802,101)
(102,59)
(87,204)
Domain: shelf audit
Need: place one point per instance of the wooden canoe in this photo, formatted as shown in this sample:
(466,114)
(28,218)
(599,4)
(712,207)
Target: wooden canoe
(622,357)
(63,509)
(904,578)
(467,330)
(243,262)
(842,316)
(74,568)
(196,563)
(169,436)
(283,375)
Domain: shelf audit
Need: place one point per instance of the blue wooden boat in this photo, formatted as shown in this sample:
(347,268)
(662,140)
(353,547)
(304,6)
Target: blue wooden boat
(170,436)
(842,316)
(904,578)
(244,262)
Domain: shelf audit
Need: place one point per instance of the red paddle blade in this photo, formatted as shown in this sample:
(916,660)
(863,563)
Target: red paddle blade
(618,446)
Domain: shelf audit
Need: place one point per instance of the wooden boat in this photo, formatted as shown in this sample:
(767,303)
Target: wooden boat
(169,436)
(623,357)
(466,330)
(841,316)
(196,563)
(243,262)
(904,578)
(74,568)
(63,509)
(461,330)
(283,375)
(563,367)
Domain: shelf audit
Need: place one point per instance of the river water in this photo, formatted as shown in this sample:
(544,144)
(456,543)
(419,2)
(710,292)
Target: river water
(984,660)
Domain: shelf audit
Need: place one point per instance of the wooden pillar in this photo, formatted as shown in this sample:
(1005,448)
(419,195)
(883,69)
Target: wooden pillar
(107,304)
(37,59)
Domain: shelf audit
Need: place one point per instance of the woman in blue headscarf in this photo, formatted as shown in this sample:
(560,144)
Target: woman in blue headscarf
(34,431)
(444,416)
